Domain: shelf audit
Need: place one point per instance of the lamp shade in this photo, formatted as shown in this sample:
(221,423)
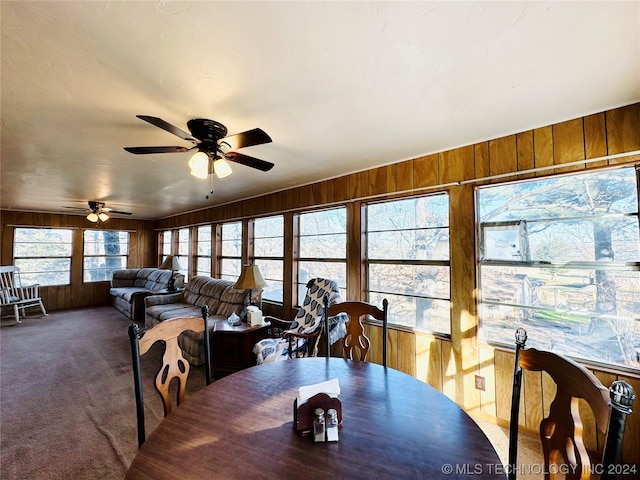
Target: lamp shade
(222,168)
(170,263)
(250,278)
(93,217)
(199,165)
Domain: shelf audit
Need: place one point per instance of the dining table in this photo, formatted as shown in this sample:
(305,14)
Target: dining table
(242,427)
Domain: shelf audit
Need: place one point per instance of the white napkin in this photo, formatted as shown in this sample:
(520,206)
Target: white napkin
(330,387)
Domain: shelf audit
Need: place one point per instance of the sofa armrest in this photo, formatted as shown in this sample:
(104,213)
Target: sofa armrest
(152,300)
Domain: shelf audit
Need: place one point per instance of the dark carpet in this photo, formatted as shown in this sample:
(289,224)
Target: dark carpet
(67,408)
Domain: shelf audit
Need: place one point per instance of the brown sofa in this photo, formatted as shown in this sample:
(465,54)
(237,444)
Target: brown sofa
(131,285)
(219,295)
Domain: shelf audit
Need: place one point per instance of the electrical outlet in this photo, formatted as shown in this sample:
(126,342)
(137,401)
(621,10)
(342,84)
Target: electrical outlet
(479,383)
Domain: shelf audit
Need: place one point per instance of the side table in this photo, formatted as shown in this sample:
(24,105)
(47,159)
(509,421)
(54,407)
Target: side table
(232,346)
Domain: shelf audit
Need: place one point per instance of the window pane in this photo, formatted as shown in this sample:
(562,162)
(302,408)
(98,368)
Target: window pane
(408,260)
(230,269)
(43,255)
(413,280)
(203,255)
(268,253)
(323,248)
(45,271)
(417,313)
(323,222)
(231,251)
(166,243)
(272,273)
(183,242)
(268,227)
(232,240)
(410,244)
(203,266)
(204,240)
(569,259)
(104,252)
(330,270)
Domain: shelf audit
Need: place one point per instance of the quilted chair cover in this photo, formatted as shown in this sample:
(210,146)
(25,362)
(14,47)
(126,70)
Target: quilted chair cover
(308,319)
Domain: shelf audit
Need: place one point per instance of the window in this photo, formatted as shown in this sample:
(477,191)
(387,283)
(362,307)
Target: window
(268,248)
(43,255)
(560,257)
(231,251)
(167,242)
(408,261)
(183,252)
(104,252)
(323,248)
(203,253)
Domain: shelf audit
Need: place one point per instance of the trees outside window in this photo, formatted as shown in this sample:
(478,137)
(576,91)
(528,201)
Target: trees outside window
(183,252)
(323,248)
(203,253)
(560,256)
(43,255)
(231,251)
(407,260)
(268,255)
(104,252)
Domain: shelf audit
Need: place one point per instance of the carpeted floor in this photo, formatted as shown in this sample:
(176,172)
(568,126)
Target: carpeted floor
(67,408)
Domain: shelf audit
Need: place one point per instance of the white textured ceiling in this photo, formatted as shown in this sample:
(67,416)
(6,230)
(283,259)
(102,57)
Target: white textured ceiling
(339,86)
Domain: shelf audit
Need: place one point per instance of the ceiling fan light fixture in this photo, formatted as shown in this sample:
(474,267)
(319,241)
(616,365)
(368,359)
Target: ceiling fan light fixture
(222,168)
(93,217)
(103,217)
(199,165)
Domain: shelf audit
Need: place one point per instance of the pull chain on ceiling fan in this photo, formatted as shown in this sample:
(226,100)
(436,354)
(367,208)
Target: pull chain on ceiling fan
(214,146)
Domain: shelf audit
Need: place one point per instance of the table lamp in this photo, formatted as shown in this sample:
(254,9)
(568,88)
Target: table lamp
(171,263)
(250,279)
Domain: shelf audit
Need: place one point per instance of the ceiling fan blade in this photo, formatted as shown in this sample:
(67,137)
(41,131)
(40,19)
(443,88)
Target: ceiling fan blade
(249,161)
(158,122)
(257,136)
(79,209)
(145,150)
(116,211)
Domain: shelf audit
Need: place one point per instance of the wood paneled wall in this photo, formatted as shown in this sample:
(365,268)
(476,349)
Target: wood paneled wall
(142,253)
(450,365)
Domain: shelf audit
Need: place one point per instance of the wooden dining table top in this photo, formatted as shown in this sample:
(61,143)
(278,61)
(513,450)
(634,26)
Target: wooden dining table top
(241,427)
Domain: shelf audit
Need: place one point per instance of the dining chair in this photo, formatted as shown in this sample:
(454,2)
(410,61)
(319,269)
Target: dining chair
(300,337)
(174,364)
(355,343)
(561,430)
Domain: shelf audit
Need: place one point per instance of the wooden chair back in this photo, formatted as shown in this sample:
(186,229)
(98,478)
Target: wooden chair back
(355,343)
(174,365)
(561,431)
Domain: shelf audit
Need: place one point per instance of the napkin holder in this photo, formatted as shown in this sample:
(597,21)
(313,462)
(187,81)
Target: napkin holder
(303,415)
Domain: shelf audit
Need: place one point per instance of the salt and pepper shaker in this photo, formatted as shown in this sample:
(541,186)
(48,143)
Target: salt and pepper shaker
(332,425)
(319,426)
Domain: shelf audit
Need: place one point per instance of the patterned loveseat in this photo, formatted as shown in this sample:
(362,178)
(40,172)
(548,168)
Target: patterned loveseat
(219,295)
(131,285)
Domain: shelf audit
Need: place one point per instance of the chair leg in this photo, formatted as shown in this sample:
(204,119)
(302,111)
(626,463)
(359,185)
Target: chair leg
(16,313)
(44,312)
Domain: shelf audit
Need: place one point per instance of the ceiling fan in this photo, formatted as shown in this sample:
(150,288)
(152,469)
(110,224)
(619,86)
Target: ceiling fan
(213,144)
(98,212)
